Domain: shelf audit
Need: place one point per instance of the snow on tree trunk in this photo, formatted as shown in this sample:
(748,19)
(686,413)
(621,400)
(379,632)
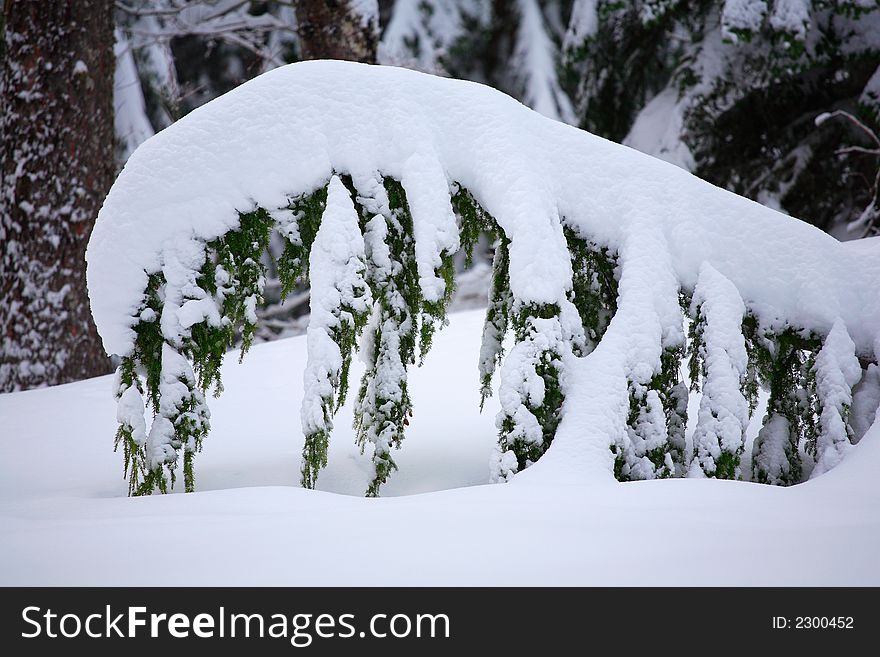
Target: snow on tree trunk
(56,81)
(346,29)
(837,370)
(340,303)
(597,248)
(720,349)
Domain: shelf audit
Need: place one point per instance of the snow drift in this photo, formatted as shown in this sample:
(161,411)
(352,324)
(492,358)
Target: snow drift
(66,521)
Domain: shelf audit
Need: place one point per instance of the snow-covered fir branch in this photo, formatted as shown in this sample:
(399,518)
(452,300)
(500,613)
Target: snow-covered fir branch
(592,267)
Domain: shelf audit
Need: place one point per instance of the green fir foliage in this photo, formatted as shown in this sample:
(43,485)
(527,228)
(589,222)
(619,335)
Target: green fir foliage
(403,324)
(548,366)
(293,264)
(497,318)
(434,312)
(133,453)
(674,397)
(473,222)
(783,360)
(345,334)
(594,286)
(382,411)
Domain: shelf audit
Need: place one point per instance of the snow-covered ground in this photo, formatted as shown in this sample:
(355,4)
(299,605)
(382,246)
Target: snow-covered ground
(65,517)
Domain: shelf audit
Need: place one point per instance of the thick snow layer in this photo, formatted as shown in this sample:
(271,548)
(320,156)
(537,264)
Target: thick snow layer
(724,411)
(837,371)
(66,519)
(284,133)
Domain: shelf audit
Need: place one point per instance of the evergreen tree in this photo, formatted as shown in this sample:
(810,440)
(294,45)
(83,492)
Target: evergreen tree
(595,307)
(725,88)
(729,91)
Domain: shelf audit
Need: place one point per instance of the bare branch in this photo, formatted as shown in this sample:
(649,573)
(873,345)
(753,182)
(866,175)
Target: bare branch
(229,21)
(857,149)
(155,11)
(822,118)
(869,219)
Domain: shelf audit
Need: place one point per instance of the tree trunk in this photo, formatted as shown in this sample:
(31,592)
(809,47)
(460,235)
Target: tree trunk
(56,82)
(334,29)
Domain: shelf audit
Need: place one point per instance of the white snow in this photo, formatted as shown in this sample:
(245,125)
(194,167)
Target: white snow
(871,93)
(522,389)
(792,17)
(129,108)
(742,15)
(535,61)
(584,23)
(368,10)
(837,371)
(657,130)
(338,288)
(130,413)
(772,457)
(177,381)
(420,34)
(865,402)
(434,226)
(724,411)
(66,519)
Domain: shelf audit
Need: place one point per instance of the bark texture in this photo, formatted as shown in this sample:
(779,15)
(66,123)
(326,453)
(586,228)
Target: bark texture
(334,29)
(56,127)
